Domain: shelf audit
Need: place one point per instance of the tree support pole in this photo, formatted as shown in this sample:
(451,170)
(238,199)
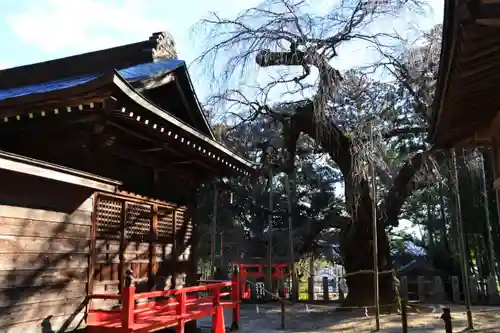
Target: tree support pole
(463,255)
(295,286)
(270,232)
(491,246)
(375,236)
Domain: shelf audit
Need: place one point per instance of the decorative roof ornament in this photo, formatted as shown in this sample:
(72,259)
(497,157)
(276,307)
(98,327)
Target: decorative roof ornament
(163,46)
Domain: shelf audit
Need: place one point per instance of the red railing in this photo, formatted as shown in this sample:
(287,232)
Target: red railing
(167,308)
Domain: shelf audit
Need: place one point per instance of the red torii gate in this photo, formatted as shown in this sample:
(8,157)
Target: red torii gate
(278,271)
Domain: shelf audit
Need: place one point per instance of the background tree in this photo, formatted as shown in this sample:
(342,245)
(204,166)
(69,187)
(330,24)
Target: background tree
(309,96)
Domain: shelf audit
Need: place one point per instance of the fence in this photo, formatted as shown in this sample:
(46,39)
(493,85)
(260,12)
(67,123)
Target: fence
(436,290)
(166,308)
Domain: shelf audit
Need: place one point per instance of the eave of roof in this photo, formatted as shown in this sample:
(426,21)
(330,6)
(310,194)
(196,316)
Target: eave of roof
(128,90)
(73,86)
(445,61)
(466,101)
(133,74)
(33,167)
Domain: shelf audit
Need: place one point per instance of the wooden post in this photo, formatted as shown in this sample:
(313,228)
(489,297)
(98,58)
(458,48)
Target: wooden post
(93,250)
(404,316)
(213,233)
(326,293)
(128,302)
(310,288)
(474,297)
(216,305)
(310,280)
(463,254)
(283,314)
(121,255)
(446,316)
(455,286)
(181,311)
(152,247)
(236,279)
(176,242)
(374,235)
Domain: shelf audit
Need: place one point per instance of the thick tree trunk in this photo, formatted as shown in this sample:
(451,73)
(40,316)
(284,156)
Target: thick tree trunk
(356,244)
(357,252)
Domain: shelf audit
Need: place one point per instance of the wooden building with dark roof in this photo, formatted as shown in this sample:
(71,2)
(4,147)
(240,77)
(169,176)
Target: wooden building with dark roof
(467,101)
(101,157)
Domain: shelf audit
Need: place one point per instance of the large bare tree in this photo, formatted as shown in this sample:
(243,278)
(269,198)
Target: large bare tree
(333,109)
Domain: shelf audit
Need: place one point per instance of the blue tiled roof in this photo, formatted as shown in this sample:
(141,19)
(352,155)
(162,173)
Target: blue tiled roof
(131,74)
(150,69)
(45,87)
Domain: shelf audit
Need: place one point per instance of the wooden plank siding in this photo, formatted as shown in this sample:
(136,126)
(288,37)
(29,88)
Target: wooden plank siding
(144,236)
(50,260)
(44,259)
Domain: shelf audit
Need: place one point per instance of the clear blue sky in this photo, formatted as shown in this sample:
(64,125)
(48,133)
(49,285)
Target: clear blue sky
(38,30)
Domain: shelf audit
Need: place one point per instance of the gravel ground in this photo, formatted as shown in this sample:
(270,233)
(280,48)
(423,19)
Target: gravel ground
(322,318)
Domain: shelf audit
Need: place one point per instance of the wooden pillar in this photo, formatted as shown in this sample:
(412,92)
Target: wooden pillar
(326,291)
(311,279)
(121,254)
(175,254)
(455,286)
(192,271)
(193,244)
(152,267)
(473,289)
(310,288)
(93,252)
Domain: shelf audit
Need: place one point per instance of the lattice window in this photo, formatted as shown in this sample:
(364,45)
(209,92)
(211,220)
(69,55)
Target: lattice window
(165,222)
(108,218)
(139,220)
(179,220)
(183,225)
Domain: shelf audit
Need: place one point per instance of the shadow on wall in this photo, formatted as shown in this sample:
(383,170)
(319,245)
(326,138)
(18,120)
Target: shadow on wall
(44,240)
(44,262)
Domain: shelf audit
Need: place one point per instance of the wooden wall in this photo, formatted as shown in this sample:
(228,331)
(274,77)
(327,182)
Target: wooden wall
(60,242)
(44,258)
(150,238)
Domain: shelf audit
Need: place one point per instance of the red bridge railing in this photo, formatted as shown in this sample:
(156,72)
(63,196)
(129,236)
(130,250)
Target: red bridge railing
(167,308)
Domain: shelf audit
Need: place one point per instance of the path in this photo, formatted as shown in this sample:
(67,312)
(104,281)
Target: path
(323,319)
